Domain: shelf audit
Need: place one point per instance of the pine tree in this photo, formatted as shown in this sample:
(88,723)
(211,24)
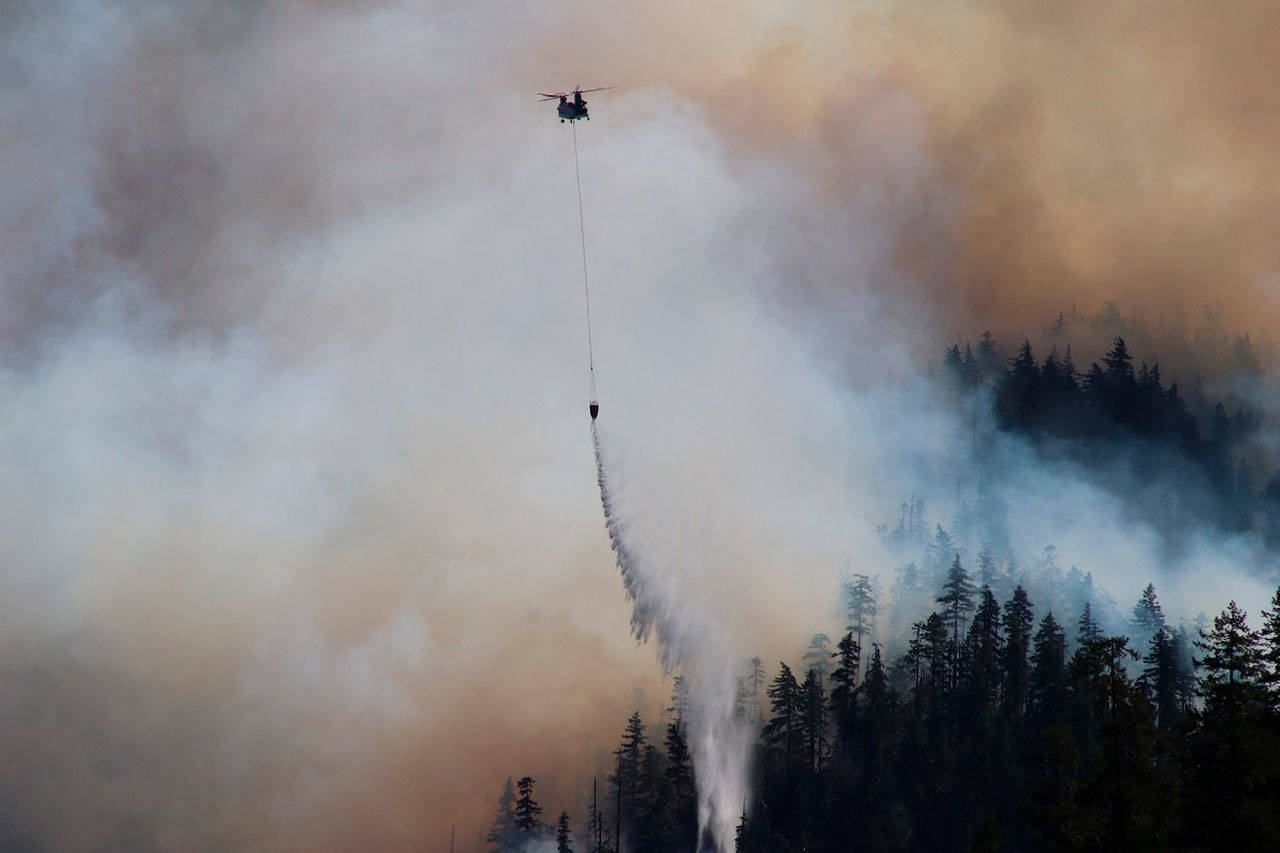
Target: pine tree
(679,775)
(1119,363)
(938,654)
(1087,628)
(527,810)
(956,600)
(844,681)
(987,565)
(989,361)
(783,732)
(1148,617)
(813,721)
(983,653)
(1160,678)
(1099,677)
(818,656)
(679,698)
(1016,669)
(1234,759)
(1269,660)
(564,840)
(755,681)
(1047,684)
(1232,662)
(938,554)
(626,781)
(505,831)
(859,607)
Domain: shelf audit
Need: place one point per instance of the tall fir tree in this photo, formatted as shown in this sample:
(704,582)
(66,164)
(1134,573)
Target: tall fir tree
(956,599)
(527,810)
(859,607)
(1269,657)
(680,779)
(564,838)
(1047,683)
(783,732)
(813,721)
(1148,616)
(1016,669)
(844,686)
(504,833)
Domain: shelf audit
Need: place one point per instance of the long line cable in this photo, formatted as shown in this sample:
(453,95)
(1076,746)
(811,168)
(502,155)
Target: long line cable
(586,285)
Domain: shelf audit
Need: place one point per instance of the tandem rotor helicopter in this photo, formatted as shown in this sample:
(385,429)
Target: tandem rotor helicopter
(571,111)
(575,109)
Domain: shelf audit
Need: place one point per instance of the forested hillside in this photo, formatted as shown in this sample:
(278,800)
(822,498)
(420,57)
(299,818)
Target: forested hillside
(979,702)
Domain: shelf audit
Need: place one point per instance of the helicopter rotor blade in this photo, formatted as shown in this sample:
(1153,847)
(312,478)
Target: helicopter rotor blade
(596,89)
(550,96)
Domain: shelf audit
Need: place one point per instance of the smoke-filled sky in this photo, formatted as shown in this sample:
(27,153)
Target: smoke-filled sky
(301,542)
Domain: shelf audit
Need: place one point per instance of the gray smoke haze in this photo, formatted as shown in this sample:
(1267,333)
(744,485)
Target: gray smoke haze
(301,544)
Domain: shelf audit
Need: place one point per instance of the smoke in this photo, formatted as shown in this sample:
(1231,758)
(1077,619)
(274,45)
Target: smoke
(300,545)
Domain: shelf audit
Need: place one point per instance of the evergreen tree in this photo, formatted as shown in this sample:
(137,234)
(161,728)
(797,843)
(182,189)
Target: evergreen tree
(1269,658)
(528,826)
(984,649)
(938,554)
(564,840)
(679,775)
(989,361)
(1016,671)
(679,698)
(1234,758)
(783,731)
(505,833)
(1119,364)
(957,600)
(1159,679)
(1020,392)
(626,780)
(878,697)
(813,721)
(1098,675)
(844,680)
(987,565)
(1232,662)
(1087,629)
(859,607)
(1148,617)
(755,681)
(937,654)
(1047,685)
(818,656)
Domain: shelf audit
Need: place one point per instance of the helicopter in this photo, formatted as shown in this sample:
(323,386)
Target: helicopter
(575,109)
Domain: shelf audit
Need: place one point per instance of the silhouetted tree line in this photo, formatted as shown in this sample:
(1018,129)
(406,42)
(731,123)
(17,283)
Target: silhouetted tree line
(1130,429)
(995,728)
(649,804)
(998,730)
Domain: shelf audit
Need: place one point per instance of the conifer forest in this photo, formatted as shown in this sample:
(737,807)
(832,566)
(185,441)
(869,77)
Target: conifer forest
(981,700)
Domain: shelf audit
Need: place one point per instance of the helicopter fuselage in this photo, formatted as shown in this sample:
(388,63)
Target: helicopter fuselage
(572,110)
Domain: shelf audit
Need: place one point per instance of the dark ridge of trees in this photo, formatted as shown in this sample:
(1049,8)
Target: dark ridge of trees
(1009,734)
(1014,738)
(1120,421)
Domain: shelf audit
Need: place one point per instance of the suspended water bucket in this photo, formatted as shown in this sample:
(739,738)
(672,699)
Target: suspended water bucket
(594,407)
